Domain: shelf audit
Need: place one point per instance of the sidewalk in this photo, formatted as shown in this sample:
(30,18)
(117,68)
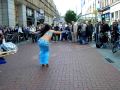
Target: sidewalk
(72,67)
(107,53)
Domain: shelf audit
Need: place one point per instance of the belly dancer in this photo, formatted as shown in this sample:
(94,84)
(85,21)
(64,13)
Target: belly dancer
(43,43)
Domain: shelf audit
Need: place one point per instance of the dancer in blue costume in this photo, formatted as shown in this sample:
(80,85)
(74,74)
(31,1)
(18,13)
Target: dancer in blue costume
(43,43)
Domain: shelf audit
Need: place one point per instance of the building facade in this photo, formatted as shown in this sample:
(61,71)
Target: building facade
(101,9)
(89,9)
(115,10)
(27,12)
(105,10)
(110,10)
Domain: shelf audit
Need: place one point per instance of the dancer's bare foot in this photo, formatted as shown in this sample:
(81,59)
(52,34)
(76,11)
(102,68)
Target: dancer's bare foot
(47,65)
(43,65)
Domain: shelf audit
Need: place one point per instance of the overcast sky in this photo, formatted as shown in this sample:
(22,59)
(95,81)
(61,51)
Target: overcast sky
(64,5)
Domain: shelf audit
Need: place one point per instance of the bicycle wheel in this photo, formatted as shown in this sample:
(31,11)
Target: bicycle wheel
(115,48)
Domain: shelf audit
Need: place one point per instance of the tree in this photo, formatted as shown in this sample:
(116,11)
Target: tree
(70,16)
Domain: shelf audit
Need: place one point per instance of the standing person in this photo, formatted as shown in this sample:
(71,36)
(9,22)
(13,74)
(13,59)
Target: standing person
(69,32)
(97,30)
(57,36)
(115,31)
(104,32)
(64,33)
(33,32)
(119,25)
(2,60)
(43,43)
(74,31)
(89,31)
(83,33)
(79,33)
(1,37)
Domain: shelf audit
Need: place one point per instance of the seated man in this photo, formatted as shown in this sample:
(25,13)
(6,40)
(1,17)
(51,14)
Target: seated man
(2,60)
(1,38)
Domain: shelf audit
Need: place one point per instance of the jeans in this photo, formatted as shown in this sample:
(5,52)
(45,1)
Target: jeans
(69,36)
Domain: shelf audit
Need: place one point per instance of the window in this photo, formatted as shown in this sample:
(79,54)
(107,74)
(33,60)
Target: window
(112,15)
(29,12)
(119,14)
(116,15)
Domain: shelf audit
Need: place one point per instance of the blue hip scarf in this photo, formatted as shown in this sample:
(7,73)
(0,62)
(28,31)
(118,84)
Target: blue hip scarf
(44,51)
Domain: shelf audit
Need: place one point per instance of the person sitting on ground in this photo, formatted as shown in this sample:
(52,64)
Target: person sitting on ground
(43,43)
(1,37)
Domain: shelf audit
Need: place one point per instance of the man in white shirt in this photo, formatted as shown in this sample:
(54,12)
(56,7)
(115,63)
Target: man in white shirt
(20,30)
(33,33)
(32,29)
(74,31)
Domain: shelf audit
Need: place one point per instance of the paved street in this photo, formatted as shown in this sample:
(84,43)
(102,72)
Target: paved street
(107,53)
(72,67)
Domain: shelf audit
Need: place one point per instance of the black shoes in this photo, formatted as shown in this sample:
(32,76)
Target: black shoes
(47,65)
(43,65)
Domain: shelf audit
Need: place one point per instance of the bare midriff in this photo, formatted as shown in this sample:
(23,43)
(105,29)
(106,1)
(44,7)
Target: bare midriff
(46,37)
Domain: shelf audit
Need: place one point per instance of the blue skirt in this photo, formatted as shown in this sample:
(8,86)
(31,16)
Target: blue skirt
(44,51)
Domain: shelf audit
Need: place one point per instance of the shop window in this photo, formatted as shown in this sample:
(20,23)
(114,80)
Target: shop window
(116,15)
(112,15)
(119,14)
(29,12)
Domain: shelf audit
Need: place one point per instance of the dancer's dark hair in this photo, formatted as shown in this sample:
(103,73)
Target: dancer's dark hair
(45,28)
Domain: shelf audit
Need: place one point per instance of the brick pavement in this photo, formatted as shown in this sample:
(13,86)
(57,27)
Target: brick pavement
(72,67)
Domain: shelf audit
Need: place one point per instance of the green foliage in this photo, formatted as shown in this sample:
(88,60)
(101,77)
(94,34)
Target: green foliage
(70,16)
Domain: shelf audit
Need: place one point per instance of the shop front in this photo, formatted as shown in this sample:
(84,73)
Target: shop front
(40,18)
(115,12)
(30,16)
(105,13)
(106,16)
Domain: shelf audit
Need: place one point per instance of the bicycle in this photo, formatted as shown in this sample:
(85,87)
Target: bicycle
(103,40)
(116,45)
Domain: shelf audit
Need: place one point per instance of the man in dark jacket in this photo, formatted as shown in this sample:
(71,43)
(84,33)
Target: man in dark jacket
(104,29)
(56,37)
(89,31)
(115,29)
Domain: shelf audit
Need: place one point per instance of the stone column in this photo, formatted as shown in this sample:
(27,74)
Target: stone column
(35,16)
(22,19)
(50,20)
(0,12)
(114,15)
(4,14)
(11,12)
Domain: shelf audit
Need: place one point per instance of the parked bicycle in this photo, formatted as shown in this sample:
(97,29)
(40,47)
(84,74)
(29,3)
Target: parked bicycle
(116,44)
(103,40)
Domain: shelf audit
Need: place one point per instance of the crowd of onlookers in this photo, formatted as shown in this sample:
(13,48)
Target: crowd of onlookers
(18,33)
(75,32)
(81,32)
(106,32)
